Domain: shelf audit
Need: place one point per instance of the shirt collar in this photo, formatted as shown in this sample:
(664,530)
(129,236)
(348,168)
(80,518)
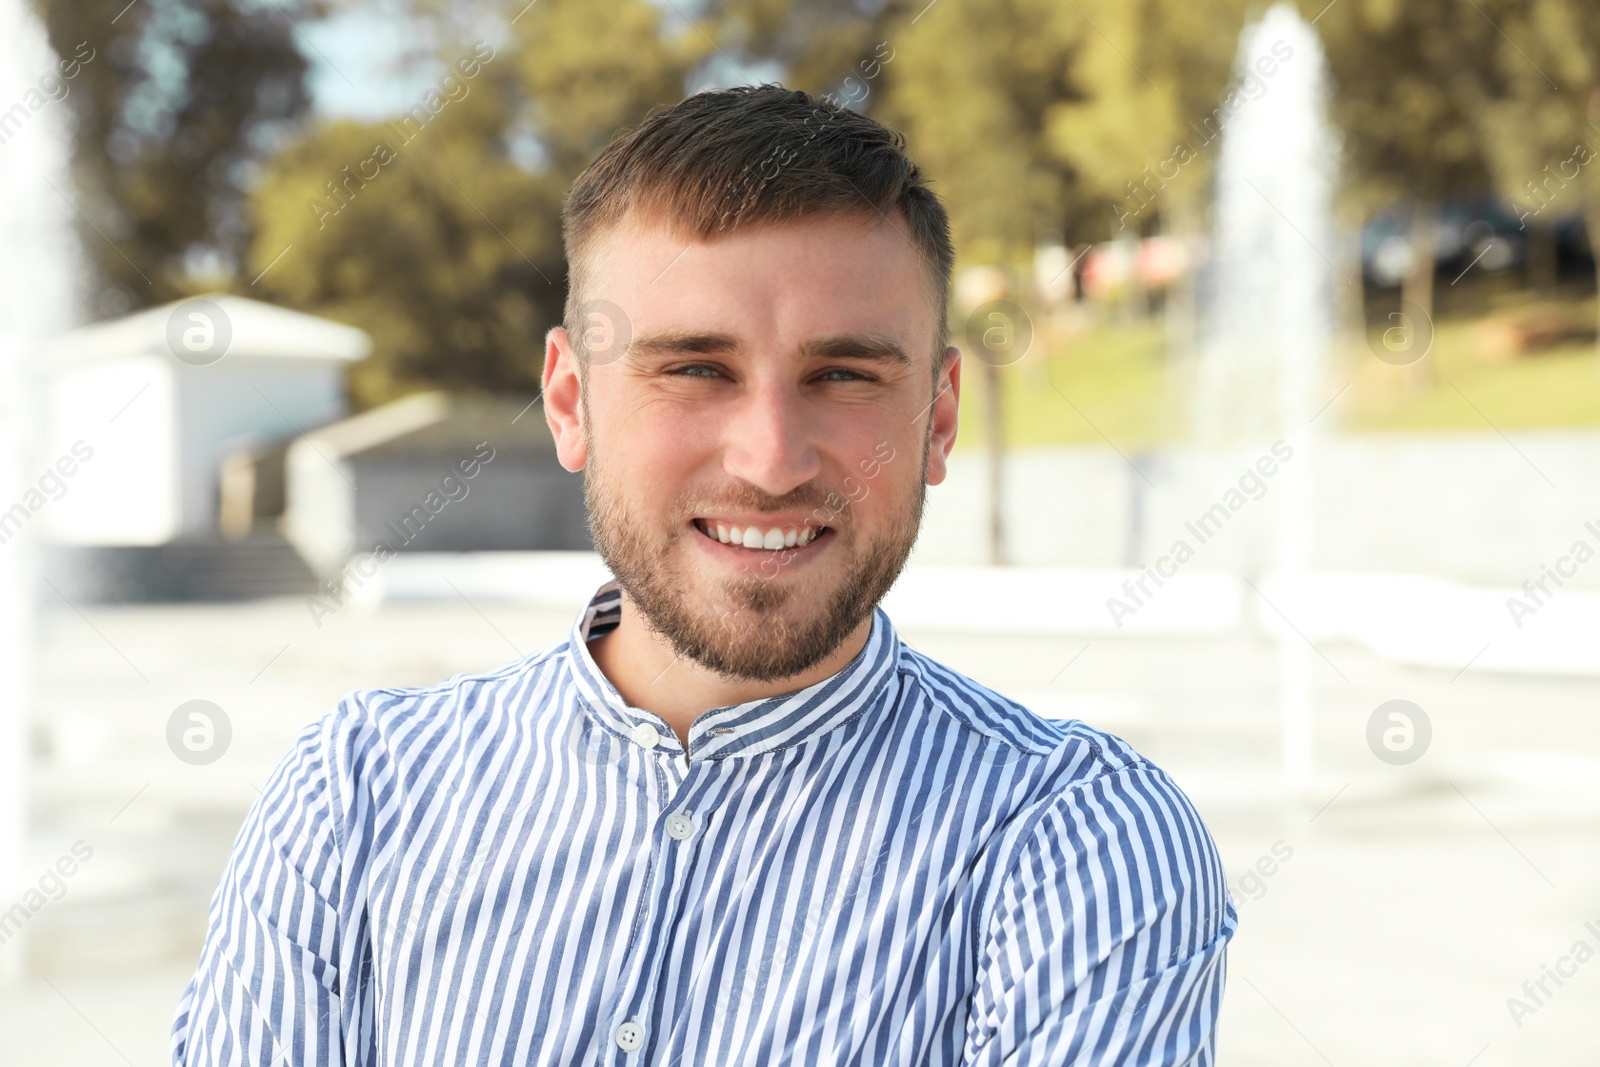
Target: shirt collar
(739,729)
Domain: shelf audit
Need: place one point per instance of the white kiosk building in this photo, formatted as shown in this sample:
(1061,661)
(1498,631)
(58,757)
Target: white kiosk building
(144,411)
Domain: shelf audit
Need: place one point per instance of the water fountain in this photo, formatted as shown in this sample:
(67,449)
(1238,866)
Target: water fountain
(37,300)
(1270,316)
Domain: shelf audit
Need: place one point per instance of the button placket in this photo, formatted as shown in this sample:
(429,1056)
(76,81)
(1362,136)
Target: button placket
(636,1004)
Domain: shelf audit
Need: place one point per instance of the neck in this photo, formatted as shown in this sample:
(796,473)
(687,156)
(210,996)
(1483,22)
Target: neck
(650,674)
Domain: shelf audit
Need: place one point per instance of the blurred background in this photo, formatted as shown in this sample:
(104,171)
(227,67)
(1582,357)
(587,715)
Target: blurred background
(1281,431)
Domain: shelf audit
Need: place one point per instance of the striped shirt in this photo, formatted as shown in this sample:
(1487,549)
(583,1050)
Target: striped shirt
(892,866)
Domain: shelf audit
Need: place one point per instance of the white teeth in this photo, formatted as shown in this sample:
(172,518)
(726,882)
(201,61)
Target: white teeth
(767,540)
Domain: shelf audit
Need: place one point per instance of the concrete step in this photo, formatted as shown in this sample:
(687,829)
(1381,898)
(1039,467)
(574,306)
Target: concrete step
(185,570)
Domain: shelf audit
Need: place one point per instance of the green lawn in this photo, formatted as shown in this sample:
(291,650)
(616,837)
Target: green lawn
(1558,386)
(1113,383)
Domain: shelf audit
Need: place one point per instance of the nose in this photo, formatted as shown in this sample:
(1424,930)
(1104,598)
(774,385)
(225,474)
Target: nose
(768,441)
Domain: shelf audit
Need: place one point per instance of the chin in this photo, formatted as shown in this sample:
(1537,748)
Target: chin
(751,628)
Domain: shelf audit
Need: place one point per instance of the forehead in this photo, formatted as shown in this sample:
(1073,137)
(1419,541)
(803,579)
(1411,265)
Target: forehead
(780,281)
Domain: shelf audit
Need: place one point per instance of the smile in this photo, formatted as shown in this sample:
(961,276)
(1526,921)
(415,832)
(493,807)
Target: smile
(759,538)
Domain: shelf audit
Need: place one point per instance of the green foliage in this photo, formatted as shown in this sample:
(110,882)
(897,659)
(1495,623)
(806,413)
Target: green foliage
(450,253)
(1501,96)
(172,108)
(1541,132)
(590,68)
(817,43)
(1153,71)
(973,82)
(1034,116)
(1406,100)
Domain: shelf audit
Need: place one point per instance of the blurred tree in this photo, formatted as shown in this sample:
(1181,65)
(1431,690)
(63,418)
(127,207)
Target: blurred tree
(1542,128)
(1408,97)
(973,83)
(1142,136)
(444,251)
(1041,119)
(174,101)
(973,88)
(821,46)
(1076,108)
(582,87)
(439,231)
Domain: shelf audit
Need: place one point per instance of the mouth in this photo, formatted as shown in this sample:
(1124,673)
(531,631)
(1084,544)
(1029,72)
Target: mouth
(757,538)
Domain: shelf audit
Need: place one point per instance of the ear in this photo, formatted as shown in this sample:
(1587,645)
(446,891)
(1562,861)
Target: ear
(563,399)
(944,414)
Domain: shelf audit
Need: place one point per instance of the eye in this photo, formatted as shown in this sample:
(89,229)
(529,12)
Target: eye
(849,375)
(694,370)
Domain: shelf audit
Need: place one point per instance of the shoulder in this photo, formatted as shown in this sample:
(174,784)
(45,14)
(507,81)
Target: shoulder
(1059,753)
(370,732)
(1095,827)
(461,695)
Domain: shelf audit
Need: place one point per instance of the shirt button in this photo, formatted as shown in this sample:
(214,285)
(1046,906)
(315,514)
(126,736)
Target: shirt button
(630,1035)
(647,735)
(680,825)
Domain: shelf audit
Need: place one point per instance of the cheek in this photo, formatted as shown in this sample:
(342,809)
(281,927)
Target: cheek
(652,452)
(880,479)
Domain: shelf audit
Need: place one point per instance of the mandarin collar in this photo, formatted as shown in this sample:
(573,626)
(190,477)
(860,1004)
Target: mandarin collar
(746,729)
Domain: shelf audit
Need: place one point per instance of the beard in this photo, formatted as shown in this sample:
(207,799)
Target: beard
(770,627)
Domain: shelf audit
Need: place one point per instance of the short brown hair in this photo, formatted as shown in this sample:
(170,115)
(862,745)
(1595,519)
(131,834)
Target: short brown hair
(725,159)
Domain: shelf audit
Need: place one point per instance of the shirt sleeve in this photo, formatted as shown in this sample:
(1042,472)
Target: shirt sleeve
(1106,941)
(269,989)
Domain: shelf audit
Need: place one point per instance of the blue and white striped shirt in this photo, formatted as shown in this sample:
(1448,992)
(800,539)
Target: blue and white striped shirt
(891,866)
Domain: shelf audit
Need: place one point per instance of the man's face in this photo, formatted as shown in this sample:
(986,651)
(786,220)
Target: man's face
(756,458)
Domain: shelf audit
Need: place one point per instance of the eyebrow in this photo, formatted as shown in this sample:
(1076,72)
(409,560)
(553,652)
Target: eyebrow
(854,346)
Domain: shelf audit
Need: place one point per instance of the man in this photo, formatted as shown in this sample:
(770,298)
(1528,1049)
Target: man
(732,819)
